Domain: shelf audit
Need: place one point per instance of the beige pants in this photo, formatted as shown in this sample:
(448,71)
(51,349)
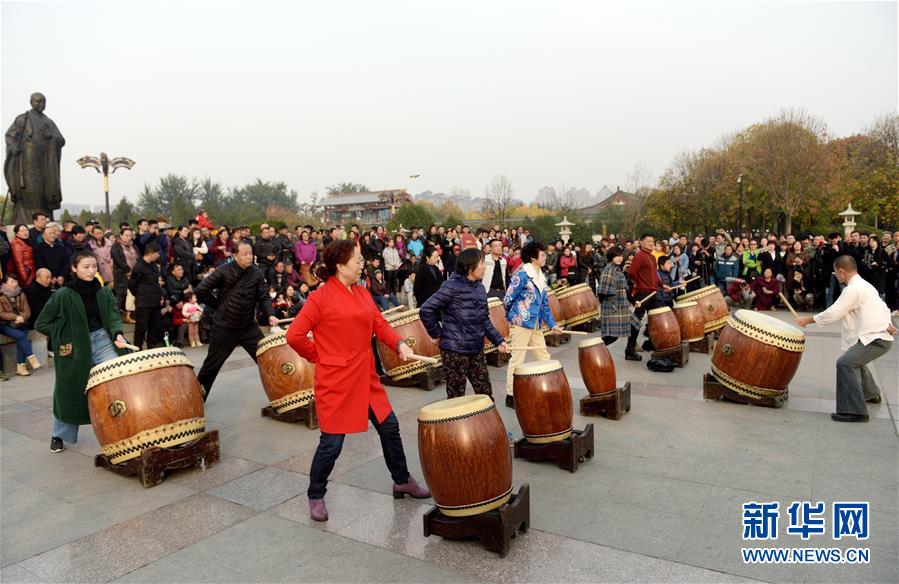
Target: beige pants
(524,337)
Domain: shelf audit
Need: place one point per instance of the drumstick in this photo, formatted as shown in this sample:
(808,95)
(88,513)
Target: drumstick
(526,348)
(784,300)
(394,308)
(430,360)
(647,298)
(570,332)
(688,281)
(285,320)
(132,347)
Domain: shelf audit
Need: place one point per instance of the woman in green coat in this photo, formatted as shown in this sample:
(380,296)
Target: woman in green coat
(83,320)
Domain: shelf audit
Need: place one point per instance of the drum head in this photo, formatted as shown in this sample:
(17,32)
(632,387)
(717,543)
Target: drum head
(686,304)
(590,343)
(401,318)
(271,341)
(697,293)
(134,363)
(538,367)
(658,310)
(770,324)
(457,407)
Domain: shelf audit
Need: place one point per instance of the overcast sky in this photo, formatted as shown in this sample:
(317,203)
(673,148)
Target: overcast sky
(314,93)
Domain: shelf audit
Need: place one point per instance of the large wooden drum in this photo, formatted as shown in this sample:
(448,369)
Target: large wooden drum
(757,354)
(690,320)
(465,455)
(408,326)
(663,328)
(149,398)
(287,378)
(714,308)
(542,401)
(555,307)
(597,367)
(579,304)
(497,311)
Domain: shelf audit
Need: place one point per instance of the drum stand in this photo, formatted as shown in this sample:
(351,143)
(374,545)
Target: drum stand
(494,529)
(155,462)
(704,345)
(565,453)
(712,389)
(591,326)
(426,380)
(680,355)
(611,404)
(497,359)
(304,413)
(555,339)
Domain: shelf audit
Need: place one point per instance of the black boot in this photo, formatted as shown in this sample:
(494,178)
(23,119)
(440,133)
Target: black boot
(510,402)
(631,355)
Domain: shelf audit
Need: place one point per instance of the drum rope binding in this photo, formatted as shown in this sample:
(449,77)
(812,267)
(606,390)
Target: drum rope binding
(744,388)
(136,363)
(459,417)
(166,435)
(489,504)
(292,401)
(783,342)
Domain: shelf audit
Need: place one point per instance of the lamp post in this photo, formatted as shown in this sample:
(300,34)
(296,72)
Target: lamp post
(740,219)
(565,229)
(102,165)
(849,224)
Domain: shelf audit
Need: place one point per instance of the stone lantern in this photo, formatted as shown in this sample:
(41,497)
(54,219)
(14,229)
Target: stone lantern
(849,216)
(565,229)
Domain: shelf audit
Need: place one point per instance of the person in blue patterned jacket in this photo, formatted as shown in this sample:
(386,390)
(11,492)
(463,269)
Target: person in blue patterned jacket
(527,309)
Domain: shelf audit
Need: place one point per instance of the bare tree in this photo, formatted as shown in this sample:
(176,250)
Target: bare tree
(638,182)
(499,196)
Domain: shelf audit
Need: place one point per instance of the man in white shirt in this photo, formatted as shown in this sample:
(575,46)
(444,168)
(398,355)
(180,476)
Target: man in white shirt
(867,334)
(496,277)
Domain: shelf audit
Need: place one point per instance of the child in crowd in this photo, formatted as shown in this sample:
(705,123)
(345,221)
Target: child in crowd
(192,312)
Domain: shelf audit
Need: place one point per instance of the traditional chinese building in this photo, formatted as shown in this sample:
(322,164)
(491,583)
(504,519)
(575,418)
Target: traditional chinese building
(371,208)
(617,199)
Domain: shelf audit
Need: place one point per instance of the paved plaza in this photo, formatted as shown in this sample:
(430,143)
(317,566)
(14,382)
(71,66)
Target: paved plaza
(660,501)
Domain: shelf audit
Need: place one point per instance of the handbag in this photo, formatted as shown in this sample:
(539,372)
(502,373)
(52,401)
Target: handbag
(130,304)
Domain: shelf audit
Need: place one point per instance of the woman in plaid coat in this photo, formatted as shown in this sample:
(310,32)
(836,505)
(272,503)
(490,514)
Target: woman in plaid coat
(616,319)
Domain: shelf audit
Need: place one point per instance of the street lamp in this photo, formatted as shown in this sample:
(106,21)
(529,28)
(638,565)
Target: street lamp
(103,164)
(740,182)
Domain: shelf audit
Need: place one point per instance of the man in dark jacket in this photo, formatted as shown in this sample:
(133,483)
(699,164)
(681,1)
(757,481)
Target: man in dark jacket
(38,294)
(234,291)
(428,278)
(144,285)
(457,314)
(52,254)
(265,250)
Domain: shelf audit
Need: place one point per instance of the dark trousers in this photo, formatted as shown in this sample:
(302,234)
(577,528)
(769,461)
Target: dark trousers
(148,323)
(330,445)
(631,340)
(639,312)
(121,293)
(854,381)
(222,342)
(458,367)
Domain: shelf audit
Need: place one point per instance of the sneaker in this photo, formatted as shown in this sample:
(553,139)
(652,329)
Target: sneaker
(510,402)
(56,445)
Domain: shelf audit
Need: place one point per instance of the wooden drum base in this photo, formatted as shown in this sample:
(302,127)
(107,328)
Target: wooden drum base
(612,404)
(494,529)
(712,389)
(679,355)
(565,453)
(556,339)
(591,326)
(704,345)
(497,359)
(304,413)
(154,463)
(426,380)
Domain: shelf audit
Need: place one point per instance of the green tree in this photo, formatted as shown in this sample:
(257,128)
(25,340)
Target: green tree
(66,216)
(123,212)
(347,187)
(410,216)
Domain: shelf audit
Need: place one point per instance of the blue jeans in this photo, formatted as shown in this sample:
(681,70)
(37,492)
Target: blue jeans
(102,350)
(20,336)
(384,303)
(330,445)
(833,291)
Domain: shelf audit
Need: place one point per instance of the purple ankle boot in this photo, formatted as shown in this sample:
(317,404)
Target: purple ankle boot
(317,510)
(411,488)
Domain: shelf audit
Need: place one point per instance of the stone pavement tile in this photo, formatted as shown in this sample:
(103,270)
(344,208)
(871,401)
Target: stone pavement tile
(59,524)
(554,512)
(18,500)
(374,475)
(43,402)
(37,423)
(263,488)
(11,407)
(99,557)
(68,475)
(629,528)
(346,504)
(684,574)
(357,450)
(183,567)
(725,504)
(267,445)
(883,567)
(591,481)
(882,494)
(653,493)
(666,391)
(663,461)
(226,469)
(570,560)
(767,476)
(16,574)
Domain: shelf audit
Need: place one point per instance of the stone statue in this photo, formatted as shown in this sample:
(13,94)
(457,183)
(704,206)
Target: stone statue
(33,149)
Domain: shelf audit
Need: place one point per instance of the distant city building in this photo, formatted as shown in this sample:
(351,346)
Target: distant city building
(370,208)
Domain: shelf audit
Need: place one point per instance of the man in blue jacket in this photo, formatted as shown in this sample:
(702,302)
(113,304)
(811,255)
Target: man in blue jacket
(726,266)
(458,316)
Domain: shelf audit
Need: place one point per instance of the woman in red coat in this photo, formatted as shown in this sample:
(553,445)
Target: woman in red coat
(22,255)
(348,393)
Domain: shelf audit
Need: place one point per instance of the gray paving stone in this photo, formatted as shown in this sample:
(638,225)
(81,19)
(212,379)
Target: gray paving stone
(263,488)
(346,504)
(16,574)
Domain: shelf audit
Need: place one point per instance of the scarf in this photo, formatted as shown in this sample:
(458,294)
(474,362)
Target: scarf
(11,294)
(88,292)
(536,276)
